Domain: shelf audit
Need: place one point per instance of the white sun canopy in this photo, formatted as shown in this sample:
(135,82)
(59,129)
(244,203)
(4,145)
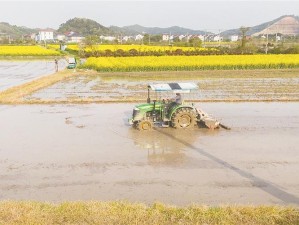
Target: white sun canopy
(175,87)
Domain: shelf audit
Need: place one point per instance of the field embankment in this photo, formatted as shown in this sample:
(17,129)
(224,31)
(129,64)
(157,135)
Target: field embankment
(15,95)
(15,213)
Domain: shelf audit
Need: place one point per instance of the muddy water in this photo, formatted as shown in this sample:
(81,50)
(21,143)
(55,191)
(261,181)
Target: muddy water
(89,152)
(14,73)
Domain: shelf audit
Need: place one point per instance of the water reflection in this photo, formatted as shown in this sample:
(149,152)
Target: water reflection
(164,145)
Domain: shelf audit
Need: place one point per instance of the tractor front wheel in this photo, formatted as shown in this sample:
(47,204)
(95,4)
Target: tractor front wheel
(144,125)
(183,118)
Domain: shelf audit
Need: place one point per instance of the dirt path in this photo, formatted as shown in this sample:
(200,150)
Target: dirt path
(88,152)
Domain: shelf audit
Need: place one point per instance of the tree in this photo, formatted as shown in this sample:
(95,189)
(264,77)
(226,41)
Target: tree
(195,42)
(176,39)
(146,39)
(243,31)
(156,38)
(84,27)
(91,41)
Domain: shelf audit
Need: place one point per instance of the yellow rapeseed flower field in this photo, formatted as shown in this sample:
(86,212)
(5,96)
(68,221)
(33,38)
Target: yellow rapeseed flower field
(27,51)
(176,63)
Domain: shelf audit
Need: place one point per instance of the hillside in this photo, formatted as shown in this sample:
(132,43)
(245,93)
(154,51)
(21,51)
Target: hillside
(137,29)
(286,25)
(14,31)
(84,27)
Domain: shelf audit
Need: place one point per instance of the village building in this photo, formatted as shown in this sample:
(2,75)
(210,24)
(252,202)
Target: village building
(45,35)
(234,38)
(74,37)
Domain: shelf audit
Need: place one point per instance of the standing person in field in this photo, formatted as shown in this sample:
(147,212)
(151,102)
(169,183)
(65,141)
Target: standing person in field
(56,65)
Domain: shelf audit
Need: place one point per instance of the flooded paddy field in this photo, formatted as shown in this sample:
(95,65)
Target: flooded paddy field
(89,152)
(14,73)
(260,85)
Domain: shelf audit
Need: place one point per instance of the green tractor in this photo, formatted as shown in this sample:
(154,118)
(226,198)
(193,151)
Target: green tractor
(168,113)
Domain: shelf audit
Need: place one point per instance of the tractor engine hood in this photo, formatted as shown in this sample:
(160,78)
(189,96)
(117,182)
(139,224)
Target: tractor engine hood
(148,106)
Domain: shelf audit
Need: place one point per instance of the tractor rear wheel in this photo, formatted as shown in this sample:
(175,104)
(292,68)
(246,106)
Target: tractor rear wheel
(144,125)
(183,118)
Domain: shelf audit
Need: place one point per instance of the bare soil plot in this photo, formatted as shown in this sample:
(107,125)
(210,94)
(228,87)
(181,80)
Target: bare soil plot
(86,86)
(262,85)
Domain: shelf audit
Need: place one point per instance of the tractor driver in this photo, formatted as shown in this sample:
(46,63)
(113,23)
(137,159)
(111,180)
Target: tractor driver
(177,99)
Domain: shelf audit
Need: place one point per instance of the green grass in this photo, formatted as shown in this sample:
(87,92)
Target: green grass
(26,212)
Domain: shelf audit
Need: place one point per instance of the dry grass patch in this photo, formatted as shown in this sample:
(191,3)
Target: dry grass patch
(24,212)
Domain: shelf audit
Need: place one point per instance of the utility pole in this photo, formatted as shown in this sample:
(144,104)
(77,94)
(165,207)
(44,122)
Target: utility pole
(267,40)
(219,38)
(187,38)
(204,38)
(142,38)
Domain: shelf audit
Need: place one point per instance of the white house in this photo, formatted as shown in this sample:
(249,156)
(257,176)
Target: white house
(165,37)
(44,35)
(74,37)
(181,37)
(234,38)
(217,38)
(138,37)
(107,38)
(201,37)
(278,38)
(127,38)
(60,37)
